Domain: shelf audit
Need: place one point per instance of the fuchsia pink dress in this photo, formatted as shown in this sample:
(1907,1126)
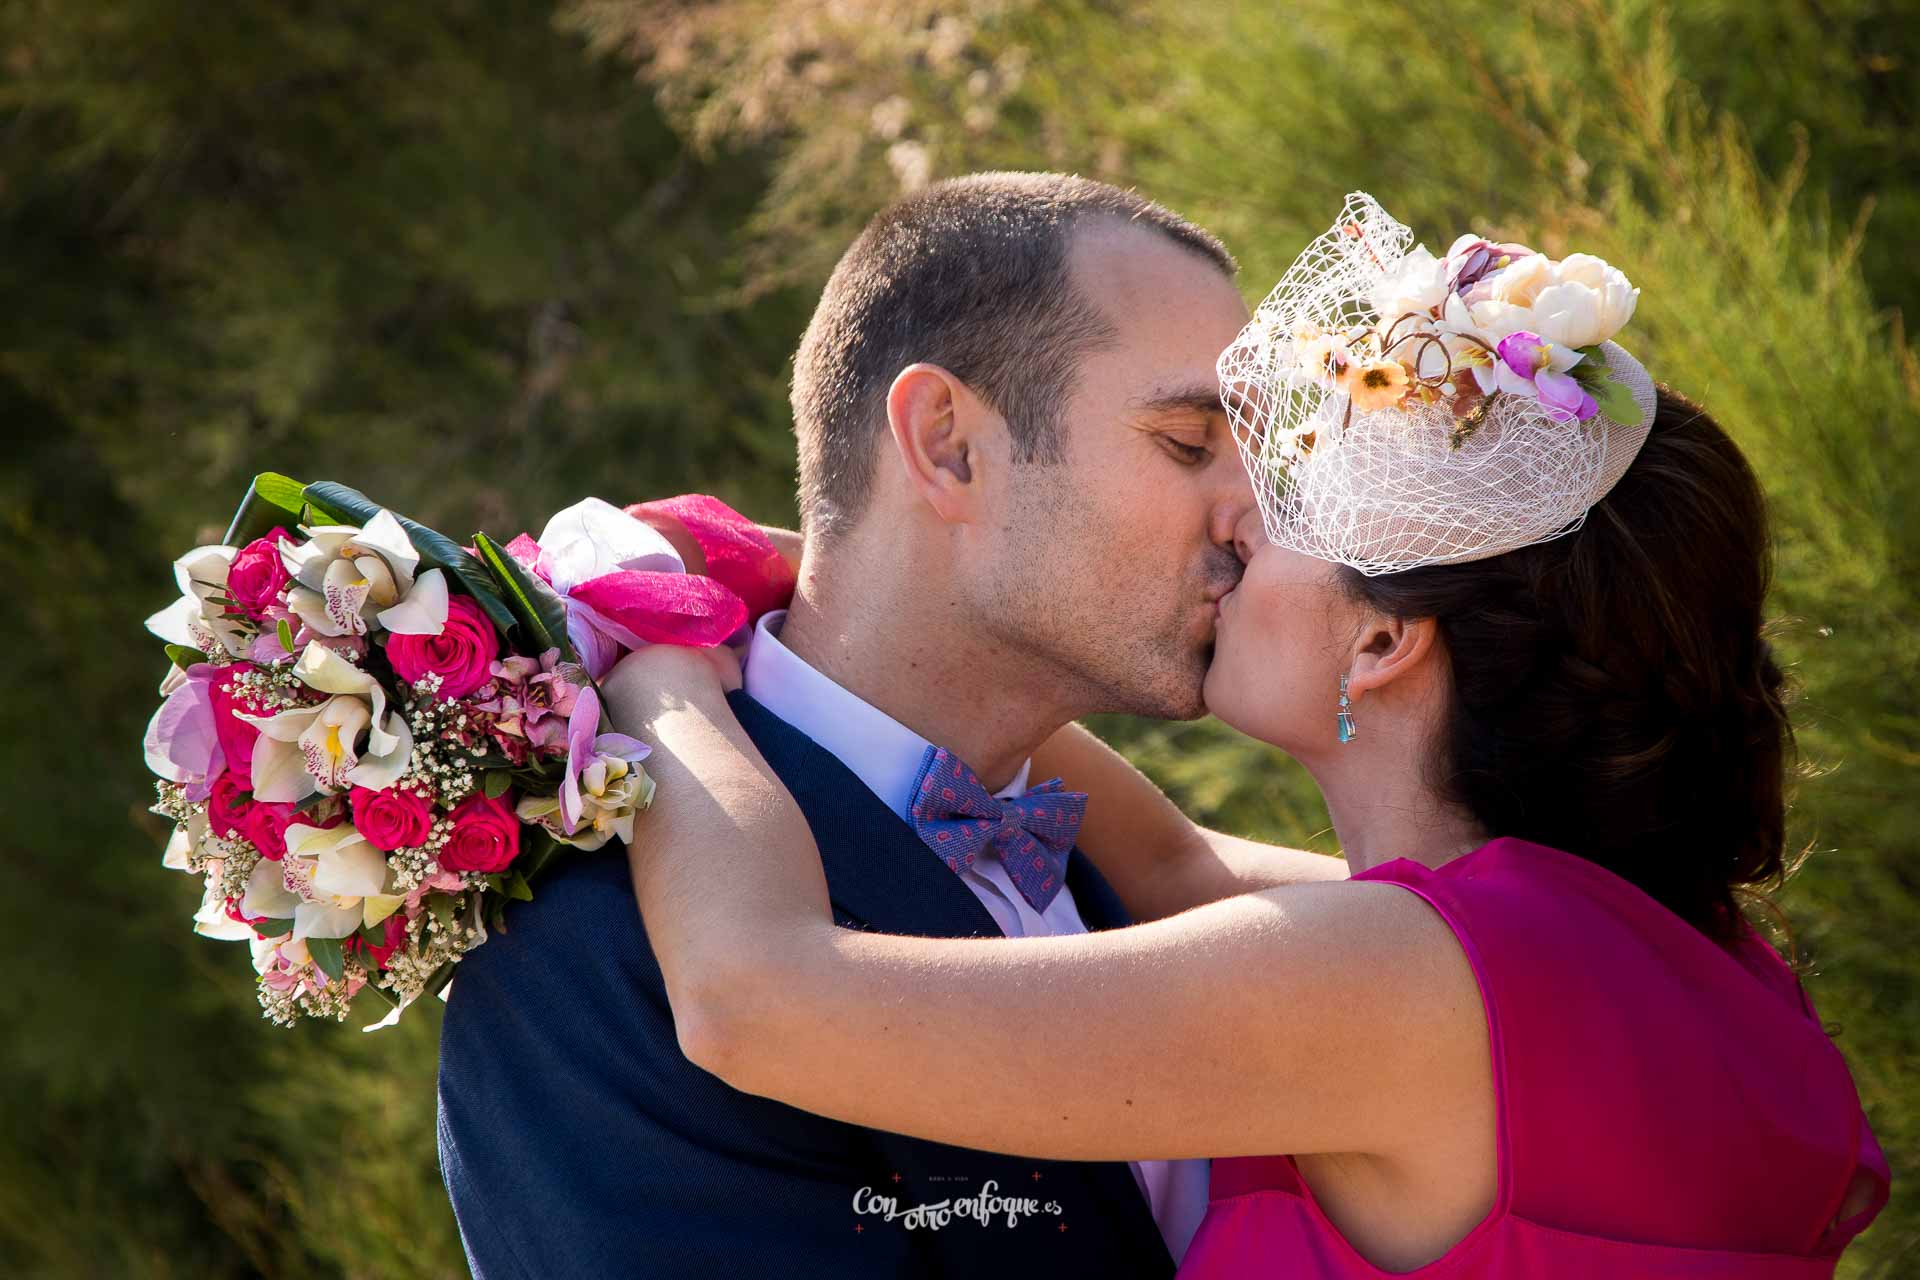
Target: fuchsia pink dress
(1667,1107)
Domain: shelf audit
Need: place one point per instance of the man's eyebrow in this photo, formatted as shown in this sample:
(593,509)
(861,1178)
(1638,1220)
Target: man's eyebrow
(1204,400)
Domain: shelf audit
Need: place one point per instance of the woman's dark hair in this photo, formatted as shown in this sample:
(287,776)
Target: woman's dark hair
(1613,693)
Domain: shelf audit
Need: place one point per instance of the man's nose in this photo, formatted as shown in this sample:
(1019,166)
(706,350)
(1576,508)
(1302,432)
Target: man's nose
(1248,535)
(1231,508)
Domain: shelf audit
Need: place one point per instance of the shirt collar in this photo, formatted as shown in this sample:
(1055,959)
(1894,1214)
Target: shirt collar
(876,748)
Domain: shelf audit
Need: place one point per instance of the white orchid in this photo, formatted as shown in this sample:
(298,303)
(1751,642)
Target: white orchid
(267,893)
(196,619)
(308,749)
(347,879)
(268,952)
(212,920)
(347,579)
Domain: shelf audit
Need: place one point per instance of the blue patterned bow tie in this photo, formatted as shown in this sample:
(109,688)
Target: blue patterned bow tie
(958,817)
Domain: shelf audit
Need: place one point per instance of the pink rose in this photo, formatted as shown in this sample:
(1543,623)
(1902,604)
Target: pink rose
(392,818)
(486,835)
(267,824)
(461,655)
(256,577)
(227,805)
(235,735)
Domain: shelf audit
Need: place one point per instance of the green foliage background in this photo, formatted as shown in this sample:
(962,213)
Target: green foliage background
(483,258)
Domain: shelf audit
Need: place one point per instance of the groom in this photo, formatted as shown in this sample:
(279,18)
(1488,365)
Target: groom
(1018,494)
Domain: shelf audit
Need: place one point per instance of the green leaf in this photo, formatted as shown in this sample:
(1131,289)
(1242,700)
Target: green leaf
(313,801)
(437,551)
(329,955)
(438,982)
(375,933)
(518,889)
(274,928)
(185,655)
(534,857)
(286,635)
(1617,403)
(1591,376)
(496,783)
(541,611)
(270,499)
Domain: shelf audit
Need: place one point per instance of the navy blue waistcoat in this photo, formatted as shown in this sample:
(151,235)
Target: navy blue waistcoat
(577,1141)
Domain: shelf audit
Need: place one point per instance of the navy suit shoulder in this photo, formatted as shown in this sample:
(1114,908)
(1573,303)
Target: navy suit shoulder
(576,1139)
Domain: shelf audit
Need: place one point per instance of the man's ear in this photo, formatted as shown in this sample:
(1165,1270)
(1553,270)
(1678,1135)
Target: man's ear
(1391,649)
(934,421)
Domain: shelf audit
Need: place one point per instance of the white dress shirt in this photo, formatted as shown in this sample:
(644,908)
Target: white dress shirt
(885,755)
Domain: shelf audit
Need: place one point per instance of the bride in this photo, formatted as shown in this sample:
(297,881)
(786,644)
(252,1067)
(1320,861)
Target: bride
(1503,601)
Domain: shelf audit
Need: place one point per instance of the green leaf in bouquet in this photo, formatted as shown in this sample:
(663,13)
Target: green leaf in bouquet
(274,928)
(537,849)
(437,551)
(541,611)
(270,499)
(285,632)
(185,655)
(438,982)
(330,955)
(312,802)
(516,887)
(496,783)
(441,908)
(375,933)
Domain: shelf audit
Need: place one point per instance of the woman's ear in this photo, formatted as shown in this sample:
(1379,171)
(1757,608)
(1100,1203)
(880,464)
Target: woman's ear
(929,414)
(1391,649)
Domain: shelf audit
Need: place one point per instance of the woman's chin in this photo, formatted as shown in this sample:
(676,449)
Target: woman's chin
(1218,693)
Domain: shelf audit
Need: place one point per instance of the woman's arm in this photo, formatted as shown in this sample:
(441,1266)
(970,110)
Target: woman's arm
(1159,860)
(1312,1018)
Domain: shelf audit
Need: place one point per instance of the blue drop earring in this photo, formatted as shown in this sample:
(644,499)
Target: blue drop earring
(1345,719)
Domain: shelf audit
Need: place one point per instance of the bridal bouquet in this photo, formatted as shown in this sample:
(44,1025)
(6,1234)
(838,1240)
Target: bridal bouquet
(373,738)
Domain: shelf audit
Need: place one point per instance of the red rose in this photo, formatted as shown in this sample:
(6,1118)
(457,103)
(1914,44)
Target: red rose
(395,938)
(461,655)
(267,827)
(236,735)
(486,836)
(392,818)
(257,576)
(227,805)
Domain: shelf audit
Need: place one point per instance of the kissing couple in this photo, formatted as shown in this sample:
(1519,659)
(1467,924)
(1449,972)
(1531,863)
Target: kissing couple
(914,977)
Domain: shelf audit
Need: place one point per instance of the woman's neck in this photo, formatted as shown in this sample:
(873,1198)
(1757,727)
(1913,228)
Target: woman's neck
(1383,810)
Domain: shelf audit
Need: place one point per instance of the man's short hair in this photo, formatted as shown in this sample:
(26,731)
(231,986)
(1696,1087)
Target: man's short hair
(970,274)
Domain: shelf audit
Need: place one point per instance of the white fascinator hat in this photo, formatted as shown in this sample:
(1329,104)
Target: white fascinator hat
(1397,409)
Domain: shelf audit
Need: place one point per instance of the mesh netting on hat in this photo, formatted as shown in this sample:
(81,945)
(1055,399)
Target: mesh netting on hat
(1392,489)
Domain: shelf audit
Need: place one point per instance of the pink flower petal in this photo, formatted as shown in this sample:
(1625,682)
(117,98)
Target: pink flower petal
(738,554)
(182,744)
(639,607)
(524,549)
(1564,397)
(582,725)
